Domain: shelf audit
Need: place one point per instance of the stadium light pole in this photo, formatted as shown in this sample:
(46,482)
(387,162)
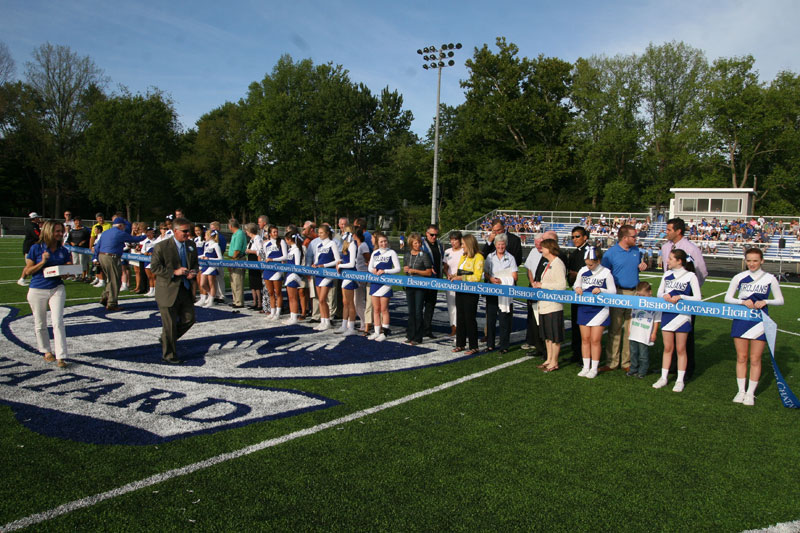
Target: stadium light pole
(437,59)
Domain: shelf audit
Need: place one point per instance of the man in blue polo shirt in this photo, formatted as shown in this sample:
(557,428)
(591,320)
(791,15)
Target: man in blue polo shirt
(624,259)
(109,250)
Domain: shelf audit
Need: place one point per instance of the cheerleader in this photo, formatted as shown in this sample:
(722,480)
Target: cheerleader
(147,249)
(754,286)
(592,319)
(360,295)
(295,284)
(679,283)
(208,277)
(275,249)
(383,261)
(199,235)
(327,256)
(348,263)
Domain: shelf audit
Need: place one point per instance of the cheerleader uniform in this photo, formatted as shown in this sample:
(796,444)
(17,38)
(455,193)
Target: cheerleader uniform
(588,280)
(147,248)
(211,250)
(275,252)
(327,255)
(352,257)
(293,279)
(198,241)
(683,283)
(754,286)
(383,259)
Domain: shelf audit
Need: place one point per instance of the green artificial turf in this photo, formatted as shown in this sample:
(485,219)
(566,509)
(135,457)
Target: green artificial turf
(516,449)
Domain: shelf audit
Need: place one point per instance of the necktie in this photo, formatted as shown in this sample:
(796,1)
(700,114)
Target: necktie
(182,251)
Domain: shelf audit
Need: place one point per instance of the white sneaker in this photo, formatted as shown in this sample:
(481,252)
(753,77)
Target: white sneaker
(151,293)
(661,383)
(374,335)
(22,282)
(318,327)
(380,338)
(592,373)
(101,284)
(749,399)
(208,303)
(290,321)
(123,287)
(93,283)
(324,326)
(340,329)
(678,387)
(583,372)
(739,398)
(199,303)
(349,332)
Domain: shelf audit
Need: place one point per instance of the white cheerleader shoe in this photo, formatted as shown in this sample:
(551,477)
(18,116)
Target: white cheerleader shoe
(101,284)
(123,287)
(749,399)
(592,373)
(349,331)
(200,301)
(380,338)
(739,398)
(661,383)
(374,336)
(678,387)
(583,372)
(208,303)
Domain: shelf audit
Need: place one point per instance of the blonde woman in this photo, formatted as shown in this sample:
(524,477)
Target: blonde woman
(44,292)
(470,268)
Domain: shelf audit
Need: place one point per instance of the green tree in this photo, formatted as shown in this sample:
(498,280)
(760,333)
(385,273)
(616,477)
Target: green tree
(673,77)
(66,85)
(507,146)
(321,144)
(127,150)
(214,171)
(606,130)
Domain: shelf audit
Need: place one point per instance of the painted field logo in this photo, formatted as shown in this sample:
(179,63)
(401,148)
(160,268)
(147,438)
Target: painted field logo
(116,390)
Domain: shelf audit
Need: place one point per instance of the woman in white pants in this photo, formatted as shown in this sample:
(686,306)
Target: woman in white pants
(452,256)
(44,292)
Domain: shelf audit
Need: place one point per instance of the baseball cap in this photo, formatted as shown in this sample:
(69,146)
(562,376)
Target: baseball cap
(118,220)
(33,214)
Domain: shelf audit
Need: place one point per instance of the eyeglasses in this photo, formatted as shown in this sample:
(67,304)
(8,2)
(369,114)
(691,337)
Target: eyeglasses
(433,234)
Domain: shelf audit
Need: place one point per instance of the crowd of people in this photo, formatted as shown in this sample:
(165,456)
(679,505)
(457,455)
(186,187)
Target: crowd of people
(173,277)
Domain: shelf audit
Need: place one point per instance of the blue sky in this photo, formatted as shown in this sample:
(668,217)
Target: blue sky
(205,53)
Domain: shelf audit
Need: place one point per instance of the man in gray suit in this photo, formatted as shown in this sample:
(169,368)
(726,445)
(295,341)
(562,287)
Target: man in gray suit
(174,263)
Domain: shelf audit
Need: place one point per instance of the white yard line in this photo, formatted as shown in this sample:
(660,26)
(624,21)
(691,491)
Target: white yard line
(222,458)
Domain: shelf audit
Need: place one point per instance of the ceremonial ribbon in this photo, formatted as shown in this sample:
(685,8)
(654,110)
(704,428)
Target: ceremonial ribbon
(625,301)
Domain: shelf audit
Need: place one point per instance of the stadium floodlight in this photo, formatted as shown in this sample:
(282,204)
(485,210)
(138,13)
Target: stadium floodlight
(435,59)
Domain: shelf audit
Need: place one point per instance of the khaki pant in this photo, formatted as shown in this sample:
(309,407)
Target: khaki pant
(618,333)
(237,285)
(112,268)
(40,300)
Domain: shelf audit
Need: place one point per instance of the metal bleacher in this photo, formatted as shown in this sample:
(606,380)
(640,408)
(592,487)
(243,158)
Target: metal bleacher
(562,223)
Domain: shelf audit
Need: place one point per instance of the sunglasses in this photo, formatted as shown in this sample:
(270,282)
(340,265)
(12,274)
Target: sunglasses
(577,236)
(433,234)
(184,230)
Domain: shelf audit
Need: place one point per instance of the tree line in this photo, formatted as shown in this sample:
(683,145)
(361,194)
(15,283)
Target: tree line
(610,133)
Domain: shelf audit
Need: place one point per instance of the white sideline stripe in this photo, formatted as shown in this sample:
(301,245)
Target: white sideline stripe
(790,333)
(213,461)
(711,297)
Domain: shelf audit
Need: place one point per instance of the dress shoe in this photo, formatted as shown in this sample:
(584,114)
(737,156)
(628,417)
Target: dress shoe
(172,361)
(103,301)
(61,363)
(113,308)
(235,306)
(606,368)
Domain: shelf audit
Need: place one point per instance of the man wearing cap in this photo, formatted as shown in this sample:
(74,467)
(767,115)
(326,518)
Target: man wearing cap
(32,232)
(109,251)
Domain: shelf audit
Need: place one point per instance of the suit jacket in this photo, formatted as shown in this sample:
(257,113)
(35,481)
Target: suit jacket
(163,262)
(513,247)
